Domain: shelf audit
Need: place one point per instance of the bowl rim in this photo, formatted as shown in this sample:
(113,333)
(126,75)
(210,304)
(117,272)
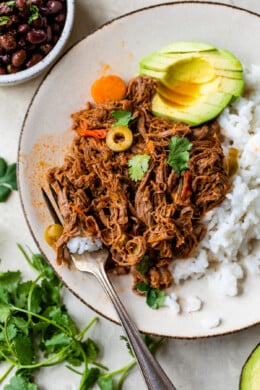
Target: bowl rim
(34,71)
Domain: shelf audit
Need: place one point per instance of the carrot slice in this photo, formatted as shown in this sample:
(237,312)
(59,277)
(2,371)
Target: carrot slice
(99,133)
(107,89)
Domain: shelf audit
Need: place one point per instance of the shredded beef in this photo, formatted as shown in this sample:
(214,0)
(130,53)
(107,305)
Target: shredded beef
(160,215)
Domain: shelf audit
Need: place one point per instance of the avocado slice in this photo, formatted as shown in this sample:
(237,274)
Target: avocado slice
(193,115)
(195,81)
(186,47)
(250,375)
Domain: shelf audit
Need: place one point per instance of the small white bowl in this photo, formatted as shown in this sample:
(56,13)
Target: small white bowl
(34,71)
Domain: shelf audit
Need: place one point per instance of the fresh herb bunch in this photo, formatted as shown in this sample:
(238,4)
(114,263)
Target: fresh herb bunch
(37,331)
(8,181)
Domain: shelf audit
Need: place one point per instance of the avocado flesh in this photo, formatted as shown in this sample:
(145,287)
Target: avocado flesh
(193,115)
(250,375)
(186,47)
(195,85)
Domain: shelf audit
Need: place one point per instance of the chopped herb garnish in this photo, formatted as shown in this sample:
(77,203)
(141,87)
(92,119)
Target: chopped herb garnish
(144,265)
(179,153)
(34,13)
(138,165)
(8,181)
(10,3)
(122,117)
(154,297)
(4,20)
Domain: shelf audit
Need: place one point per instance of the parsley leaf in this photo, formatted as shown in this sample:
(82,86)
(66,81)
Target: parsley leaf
(8,181)
(122,117)
(154,297)
(179,153)
(138,165)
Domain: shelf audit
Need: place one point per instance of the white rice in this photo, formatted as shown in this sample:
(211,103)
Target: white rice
(80,245)
(233,225)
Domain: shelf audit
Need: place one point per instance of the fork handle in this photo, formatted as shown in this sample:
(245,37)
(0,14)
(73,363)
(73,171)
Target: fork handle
(154,376)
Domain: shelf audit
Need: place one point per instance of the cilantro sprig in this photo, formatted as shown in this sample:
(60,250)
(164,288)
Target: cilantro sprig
(122,117)
(178,157)
(36,330)
(138,165)
(8,181)
(154,297)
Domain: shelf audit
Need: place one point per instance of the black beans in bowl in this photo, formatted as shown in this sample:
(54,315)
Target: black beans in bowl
(29,29)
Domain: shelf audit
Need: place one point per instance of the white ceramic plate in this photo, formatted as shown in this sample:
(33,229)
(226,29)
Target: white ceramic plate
(117,47)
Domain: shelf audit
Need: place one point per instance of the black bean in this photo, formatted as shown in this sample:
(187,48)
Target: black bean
(7,42)
(46,48)
(5,58)
(36,57)
(2,70)
(23,28)
(54,6)
(18,58)
(36,36)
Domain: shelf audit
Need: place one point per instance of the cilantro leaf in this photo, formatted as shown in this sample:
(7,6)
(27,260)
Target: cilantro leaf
(122,117)
(154,297)
(144,265)
(20,383)
(8,180)
(179,153)
(138,165)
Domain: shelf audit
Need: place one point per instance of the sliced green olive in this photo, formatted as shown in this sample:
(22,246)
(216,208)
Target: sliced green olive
(53,233)
(119,138)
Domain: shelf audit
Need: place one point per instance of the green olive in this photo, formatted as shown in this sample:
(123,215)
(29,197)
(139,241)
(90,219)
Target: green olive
(53,233)
(119,138)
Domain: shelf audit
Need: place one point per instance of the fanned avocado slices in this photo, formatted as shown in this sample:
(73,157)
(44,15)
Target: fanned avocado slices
(196,81)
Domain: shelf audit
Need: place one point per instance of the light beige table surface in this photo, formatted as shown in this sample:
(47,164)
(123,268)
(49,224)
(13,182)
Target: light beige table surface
(207,364)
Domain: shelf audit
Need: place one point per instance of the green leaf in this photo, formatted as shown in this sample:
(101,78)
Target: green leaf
(122,117)
(11,331)
(138,165)
(3,167)
(4,20)
(143,286)
(34,13)
(56,342)
(23,347)
(91,378)
(4,193)
(155,298)
(10,280)
(91,349)
(5,311)
(145,265)
(20,383)
(105,383)
(179,153)
(8,179)
(10,176)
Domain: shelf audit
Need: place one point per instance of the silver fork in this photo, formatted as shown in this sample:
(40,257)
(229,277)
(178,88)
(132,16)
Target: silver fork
(94,263)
